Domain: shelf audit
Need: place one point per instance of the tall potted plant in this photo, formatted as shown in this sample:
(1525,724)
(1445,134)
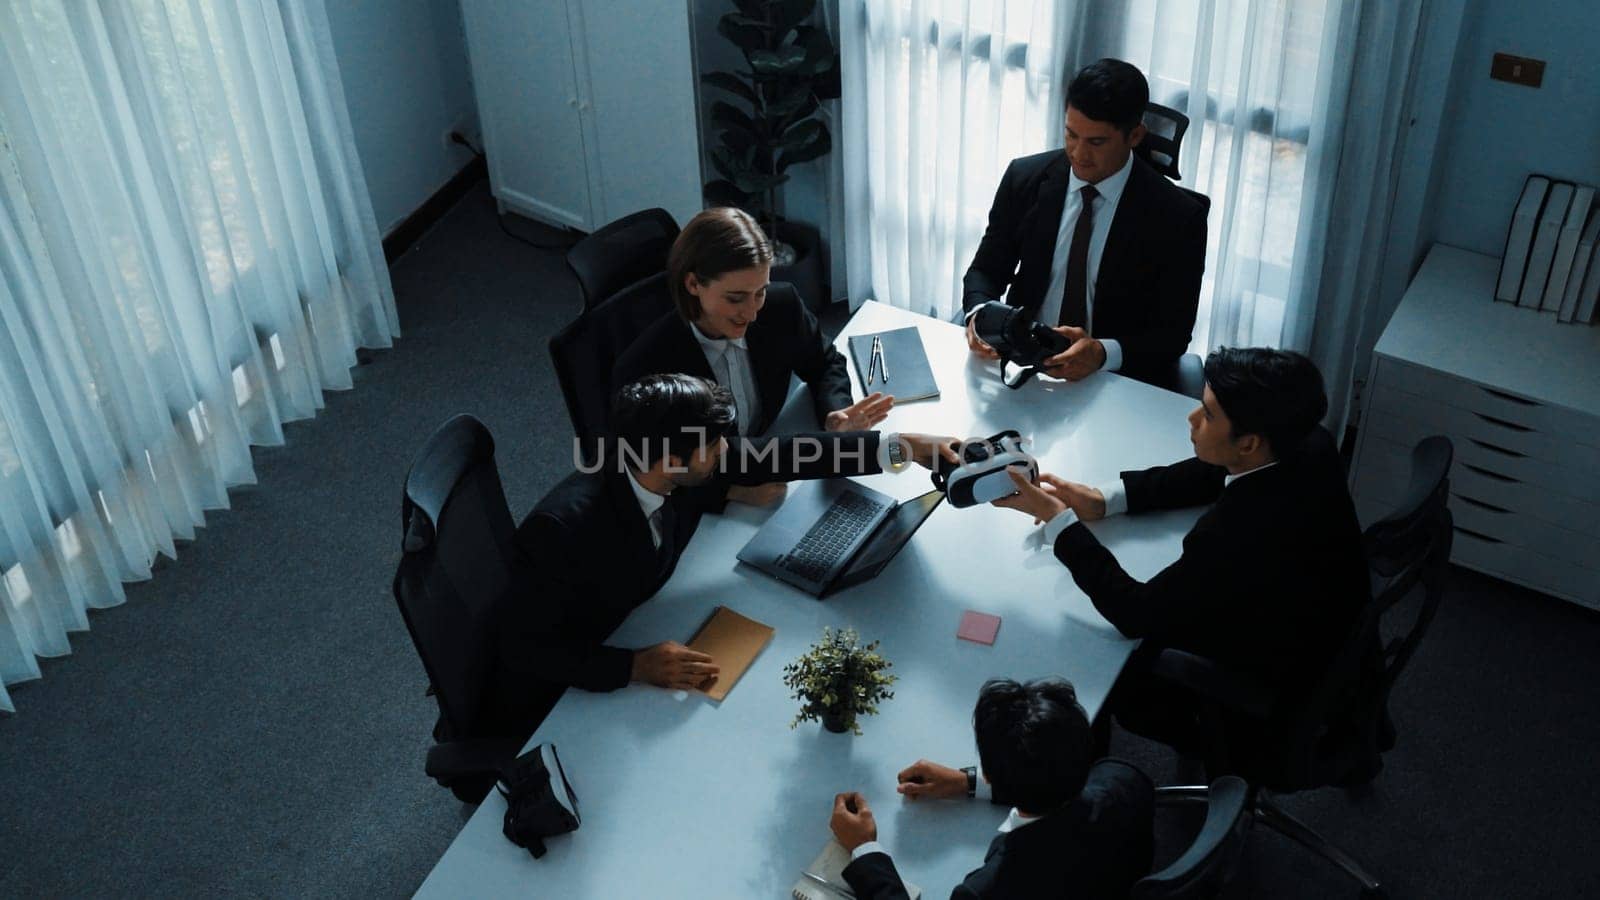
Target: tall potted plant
(838,680)
(771,122)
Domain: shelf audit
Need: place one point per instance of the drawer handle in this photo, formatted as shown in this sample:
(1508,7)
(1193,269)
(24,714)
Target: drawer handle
(1479,535)
(1480,504)
(1488,474)
(1503,423)
(1521,401)
(1501,450)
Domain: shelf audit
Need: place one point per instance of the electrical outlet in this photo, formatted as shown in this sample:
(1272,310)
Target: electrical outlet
(1517,70)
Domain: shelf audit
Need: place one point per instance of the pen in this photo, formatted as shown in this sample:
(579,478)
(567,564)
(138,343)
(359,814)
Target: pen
(883,362)
(872,360)
(830,885)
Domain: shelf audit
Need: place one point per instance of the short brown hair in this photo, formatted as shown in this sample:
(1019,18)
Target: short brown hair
(717,241)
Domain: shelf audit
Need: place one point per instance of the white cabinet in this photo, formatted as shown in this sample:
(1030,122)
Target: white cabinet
(1519,396)
(588,106)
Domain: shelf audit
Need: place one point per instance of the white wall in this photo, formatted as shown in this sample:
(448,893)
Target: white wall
(1499,132)
(407,83)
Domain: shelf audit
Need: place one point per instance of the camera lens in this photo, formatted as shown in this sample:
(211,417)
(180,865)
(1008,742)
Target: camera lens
(976,452)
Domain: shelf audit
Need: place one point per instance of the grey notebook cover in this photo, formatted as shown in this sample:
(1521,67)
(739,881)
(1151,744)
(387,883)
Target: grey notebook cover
(910,377)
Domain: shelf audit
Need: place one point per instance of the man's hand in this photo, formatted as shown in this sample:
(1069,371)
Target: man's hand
(670,664)
(925,448)
(767,494)
(1079,361)
(1037,500)
(926,779)
(1082,499)
(974,343)
(852,821)
(861,415)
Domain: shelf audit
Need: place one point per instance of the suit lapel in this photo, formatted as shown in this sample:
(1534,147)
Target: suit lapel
(631,524)
(1044,221)
(685,355)
(770,367)
(1125,225)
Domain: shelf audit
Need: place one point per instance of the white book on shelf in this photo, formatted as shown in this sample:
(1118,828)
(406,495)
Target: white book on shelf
(1520,237)
(1544,244)
(1567,247)
(1590,292)
(1583,261)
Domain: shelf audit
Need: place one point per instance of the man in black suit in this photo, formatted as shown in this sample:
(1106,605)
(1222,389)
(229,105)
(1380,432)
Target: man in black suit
(604,540)
(1075,830)
(1094,242)
(1272,576)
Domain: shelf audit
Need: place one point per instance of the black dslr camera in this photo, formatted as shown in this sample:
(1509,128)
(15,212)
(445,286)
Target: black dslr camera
(1017,338)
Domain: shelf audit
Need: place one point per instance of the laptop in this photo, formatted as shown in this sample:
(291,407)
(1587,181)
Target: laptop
(833,533)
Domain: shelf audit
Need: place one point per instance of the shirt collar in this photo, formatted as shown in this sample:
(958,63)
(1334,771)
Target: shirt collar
(649,500)
(720,345)
(1109,187)
(1232,478)
(1015,820)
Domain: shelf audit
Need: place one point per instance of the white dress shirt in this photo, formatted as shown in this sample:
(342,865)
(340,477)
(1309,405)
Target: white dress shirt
(650,504)
(1105,209)
(730,362)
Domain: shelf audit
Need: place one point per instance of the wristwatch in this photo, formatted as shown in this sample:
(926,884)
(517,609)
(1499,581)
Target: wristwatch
(972,780)
(897,453)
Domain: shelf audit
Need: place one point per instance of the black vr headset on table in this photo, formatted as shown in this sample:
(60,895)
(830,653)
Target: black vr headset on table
(983,476)
(1017,338)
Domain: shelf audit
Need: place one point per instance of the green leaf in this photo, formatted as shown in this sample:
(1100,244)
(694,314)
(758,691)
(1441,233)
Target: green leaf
(741,32)
(786,60)
(724,193)
(786,14)
(728,116)
(731,83)
(789,102)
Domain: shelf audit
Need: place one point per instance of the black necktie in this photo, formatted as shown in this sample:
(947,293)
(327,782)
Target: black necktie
(1075,297)
(667,520)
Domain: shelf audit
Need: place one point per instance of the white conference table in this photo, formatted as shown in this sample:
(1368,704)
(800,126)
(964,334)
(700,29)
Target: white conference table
(685,797)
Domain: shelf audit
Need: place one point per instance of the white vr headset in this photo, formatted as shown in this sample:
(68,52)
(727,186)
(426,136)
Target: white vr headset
(983,474)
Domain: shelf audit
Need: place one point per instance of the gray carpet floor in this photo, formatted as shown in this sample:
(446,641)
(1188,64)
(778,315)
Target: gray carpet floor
(251,722)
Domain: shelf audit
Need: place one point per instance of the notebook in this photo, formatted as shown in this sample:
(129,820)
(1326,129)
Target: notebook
(734,642)
(829,866)
(1543,252)
(909,376)
(1519,239)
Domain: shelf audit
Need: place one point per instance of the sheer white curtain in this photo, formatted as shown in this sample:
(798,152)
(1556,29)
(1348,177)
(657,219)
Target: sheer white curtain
(939,95)
(188,258)
(1296,110)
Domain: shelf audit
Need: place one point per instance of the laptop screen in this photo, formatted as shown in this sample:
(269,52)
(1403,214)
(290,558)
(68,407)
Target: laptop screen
(893,534)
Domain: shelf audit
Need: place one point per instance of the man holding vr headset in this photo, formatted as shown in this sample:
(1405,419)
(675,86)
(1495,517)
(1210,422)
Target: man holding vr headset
(1093,242)
(1272,576)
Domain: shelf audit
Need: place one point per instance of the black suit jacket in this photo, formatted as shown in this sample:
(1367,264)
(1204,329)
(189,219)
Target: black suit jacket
(1147,288)
(784,340)
(1097,846)
(1272,576)
(587,559)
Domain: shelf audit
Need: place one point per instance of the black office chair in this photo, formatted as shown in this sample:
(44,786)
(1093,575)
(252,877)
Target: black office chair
(617,255)
(1205,868)
(1164,131)
(585,351)
(1335,733)
(455,568)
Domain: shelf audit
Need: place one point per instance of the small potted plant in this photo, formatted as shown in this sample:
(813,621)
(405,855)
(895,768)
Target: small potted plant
(838,680)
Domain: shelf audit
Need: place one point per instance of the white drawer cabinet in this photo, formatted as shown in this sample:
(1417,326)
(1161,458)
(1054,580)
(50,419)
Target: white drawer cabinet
(1519,396)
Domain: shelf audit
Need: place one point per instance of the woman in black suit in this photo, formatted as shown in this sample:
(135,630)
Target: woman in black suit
(733,327)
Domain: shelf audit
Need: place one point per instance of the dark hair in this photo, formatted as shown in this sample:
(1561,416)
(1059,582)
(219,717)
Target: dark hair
(1277,394)
(668,415)
(1110,90)
(1033,742)
(715,242)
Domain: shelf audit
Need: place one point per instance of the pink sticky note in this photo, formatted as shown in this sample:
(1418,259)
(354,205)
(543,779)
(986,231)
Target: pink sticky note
(980,628)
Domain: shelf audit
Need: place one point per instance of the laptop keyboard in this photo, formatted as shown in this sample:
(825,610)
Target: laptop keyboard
(826,540)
